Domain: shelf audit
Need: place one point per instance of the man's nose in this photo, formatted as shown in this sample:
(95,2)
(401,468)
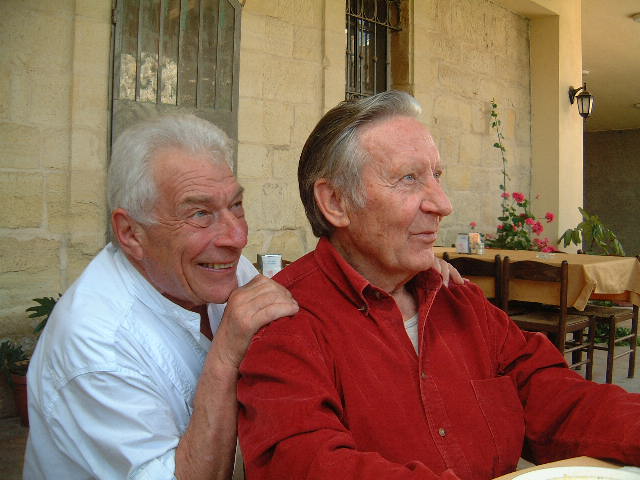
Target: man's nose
(436,200)
(231,231)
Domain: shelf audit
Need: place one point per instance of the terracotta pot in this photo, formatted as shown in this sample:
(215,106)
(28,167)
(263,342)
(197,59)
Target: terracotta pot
(19,386)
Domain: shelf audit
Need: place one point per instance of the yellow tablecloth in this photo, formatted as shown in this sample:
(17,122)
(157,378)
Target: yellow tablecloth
(590,276)
(570,462)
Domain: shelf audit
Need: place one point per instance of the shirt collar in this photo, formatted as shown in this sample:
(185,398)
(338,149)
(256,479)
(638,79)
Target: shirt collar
(353,285)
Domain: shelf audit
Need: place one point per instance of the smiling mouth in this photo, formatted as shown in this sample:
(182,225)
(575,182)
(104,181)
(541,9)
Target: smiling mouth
(217,266)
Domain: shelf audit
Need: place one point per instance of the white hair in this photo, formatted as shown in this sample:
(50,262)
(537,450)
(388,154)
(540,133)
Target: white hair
(131,183)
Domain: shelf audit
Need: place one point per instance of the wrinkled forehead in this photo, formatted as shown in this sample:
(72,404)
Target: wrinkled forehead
(399,136)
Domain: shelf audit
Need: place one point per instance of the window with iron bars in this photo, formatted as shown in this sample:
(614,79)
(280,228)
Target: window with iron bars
(368,62)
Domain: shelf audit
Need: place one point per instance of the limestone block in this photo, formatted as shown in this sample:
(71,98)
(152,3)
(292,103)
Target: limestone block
(452,113)
(463,19)
(305,119)
(250,120)
(285,163)
(295,80)
(22,200)
(5,88)
(28,256)
(442,47)
(278,123)
(459,179)
(78,258)
(278,37)
(425,72)
(307,43)
(260,7)
(251,73)
(88,149)
(57,7)
(55,146)
(87,202)
(253,162)
(43,39)
(480,117)
(449,148)
(334,19)
(289,243)
(308,13)
(50,94)
(457,79)
(19,146)
(91,47)
(56,195)
(253,32)
(478,62)
(95,9)
(472,151)
(90,105)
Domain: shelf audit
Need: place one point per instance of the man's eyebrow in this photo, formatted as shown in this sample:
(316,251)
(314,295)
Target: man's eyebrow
(200,199)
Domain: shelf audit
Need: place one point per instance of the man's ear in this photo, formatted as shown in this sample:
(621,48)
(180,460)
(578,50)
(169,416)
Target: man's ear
(129,233)
(331,203)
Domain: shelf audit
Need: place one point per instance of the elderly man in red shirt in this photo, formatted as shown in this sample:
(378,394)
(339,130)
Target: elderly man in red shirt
(384,374)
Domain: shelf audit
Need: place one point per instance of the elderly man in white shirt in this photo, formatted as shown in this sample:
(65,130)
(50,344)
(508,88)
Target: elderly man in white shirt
(122,383)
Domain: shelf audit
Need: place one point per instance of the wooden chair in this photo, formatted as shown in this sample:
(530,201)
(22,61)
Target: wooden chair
(555,321)
(612,316)
(470,266)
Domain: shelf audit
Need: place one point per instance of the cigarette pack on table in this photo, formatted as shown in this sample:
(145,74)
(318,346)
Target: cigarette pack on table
(462,243)
(269,263)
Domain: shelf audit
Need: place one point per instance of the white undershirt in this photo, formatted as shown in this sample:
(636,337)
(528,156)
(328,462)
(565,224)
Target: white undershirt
(411,326)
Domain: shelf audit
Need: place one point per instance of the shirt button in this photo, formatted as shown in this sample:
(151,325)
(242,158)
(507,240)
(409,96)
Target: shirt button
(423,375)
(442,432)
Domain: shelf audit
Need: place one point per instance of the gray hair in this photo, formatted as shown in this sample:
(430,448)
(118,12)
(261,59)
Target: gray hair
(333,151)
(131,182)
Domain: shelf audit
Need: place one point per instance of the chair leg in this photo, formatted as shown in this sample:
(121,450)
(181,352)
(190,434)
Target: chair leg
(578,338)
(611,348)
(591,338)
(634,342)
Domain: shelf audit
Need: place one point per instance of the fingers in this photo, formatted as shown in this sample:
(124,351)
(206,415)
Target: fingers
(448,272)
(249,308)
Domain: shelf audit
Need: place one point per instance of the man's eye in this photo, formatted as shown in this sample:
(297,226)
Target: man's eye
(237,205)
(438,174)
(410,177)
(201,218)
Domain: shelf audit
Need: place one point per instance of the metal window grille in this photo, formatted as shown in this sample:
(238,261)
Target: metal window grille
(369,25)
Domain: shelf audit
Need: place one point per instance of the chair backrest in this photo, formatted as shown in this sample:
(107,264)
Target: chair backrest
(469,266)
(537,272)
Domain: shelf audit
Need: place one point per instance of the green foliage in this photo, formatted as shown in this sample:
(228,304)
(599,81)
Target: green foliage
(602,333)
(496,124)
(12,359)
(593,236)
(43,309)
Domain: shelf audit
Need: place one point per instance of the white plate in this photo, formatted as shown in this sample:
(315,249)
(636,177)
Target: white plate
(578,473)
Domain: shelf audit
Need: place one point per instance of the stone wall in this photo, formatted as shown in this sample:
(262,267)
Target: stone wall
(473,51)
(54,123)
(611,173)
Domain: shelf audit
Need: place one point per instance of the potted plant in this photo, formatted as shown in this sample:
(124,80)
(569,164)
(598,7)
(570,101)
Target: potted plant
(14,362)
(593,236)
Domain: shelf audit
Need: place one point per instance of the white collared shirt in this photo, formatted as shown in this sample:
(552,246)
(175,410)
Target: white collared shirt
(112,379)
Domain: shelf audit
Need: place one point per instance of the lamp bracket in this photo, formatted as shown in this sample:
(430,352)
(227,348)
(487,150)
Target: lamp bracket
(573,92)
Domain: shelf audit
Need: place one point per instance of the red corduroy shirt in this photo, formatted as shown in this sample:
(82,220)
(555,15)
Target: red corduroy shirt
(338,391)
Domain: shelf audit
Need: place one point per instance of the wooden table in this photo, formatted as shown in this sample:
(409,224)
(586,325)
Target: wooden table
(590,277)
(570,462)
